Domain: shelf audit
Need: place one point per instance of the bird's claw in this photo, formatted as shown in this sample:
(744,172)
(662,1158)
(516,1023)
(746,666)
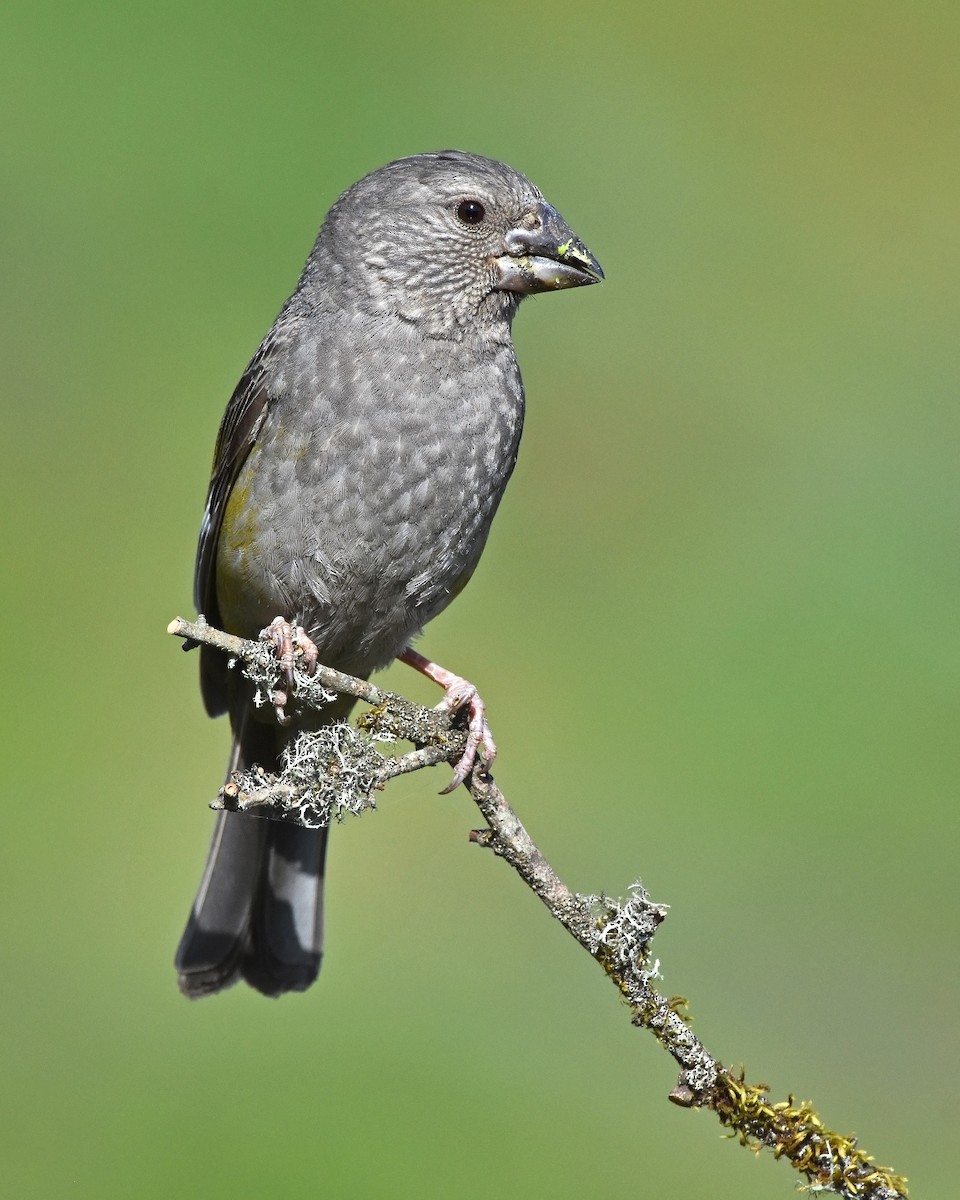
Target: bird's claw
(290,642)
(460,693)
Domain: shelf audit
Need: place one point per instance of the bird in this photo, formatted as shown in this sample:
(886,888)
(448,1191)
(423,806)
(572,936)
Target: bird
(357,470)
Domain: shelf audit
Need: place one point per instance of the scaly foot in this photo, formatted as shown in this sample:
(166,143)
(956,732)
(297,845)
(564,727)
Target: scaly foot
(289,641)
(459,693)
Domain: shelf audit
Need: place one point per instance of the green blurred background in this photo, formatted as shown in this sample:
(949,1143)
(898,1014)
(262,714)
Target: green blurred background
(715,624)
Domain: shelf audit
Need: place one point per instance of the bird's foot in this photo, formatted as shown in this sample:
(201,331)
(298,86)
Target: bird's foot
(290,642)
(459,693)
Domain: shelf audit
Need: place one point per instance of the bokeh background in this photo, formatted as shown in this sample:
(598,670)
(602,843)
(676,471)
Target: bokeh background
(715,624)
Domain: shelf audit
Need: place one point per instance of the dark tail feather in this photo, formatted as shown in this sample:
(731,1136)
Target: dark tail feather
(258,914)
(208,957)
(259,911)
(285,945)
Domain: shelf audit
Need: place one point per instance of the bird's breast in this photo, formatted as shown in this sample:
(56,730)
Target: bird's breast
(365,504)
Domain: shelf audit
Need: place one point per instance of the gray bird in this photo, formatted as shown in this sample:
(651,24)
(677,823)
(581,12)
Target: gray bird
(357,470)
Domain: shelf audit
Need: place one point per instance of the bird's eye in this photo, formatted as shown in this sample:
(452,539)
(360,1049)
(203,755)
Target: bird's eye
(470,212)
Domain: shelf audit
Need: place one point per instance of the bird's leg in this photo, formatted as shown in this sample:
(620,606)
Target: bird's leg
(288,641)
(459,693)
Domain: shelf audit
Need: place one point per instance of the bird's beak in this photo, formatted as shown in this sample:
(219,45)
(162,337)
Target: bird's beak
(543,255)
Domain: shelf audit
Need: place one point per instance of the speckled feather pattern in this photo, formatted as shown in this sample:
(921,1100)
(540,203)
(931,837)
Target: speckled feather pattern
(373,481)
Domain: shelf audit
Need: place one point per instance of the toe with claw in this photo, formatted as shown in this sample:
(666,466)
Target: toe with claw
(459,693)
(291,643)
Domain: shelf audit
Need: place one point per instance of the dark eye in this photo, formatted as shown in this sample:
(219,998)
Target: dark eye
(470,212)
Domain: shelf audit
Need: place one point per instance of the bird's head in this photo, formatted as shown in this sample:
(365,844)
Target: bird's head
(445,241)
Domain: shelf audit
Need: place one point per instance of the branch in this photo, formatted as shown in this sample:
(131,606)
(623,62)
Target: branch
(337,769)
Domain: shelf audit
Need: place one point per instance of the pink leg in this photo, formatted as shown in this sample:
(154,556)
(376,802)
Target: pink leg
(459,693)
(288,640)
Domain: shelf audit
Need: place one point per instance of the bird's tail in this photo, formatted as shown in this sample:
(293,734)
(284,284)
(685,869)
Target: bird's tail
(258,914)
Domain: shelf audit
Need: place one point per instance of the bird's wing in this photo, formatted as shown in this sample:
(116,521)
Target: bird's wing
(238,432)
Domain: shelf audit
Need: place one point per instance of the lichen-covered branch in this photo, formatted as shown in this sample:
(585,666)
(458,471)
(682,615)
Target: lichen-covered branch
(338,769)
